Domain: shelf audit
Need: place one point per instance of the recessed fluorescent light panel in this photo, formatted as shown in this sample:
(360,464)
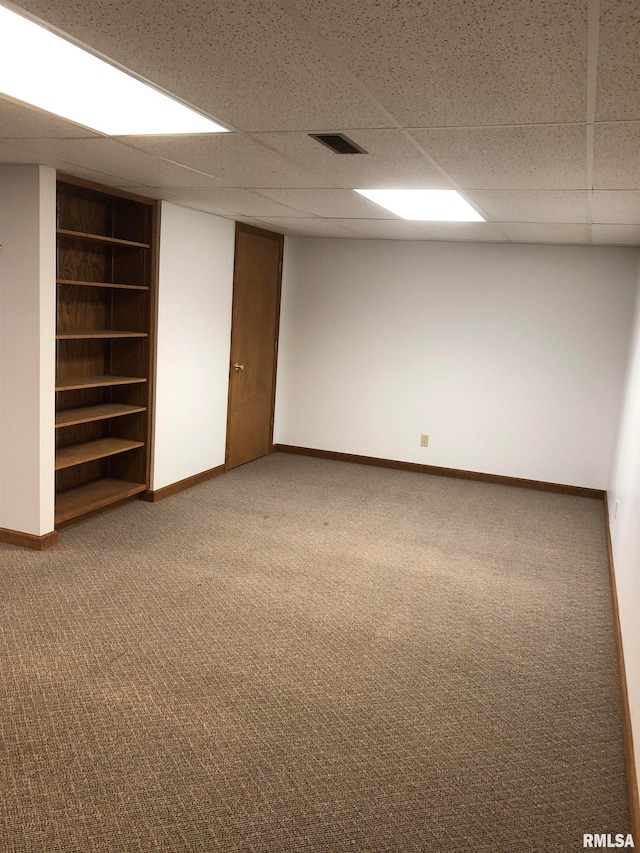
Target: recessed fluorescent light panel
(425,205)
(46,71)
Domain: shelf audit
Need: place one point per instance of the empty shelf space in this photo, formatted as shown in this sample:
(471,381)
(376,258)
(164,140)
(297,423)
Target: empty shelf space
(75,383)
(87,451)
(86,414)
(102,284)
(92,496)
(99,238)
(84,334)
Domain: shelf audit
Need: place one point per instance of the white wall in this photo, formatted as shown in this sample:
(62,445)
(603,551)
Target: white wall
(27,347)
(194,329)
(624,490)
(511,357)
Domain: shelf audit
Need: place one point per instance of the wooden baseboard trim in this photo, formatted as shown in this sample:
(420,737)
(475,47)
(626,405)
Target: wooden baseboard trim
(458,473)
(28,540)
(155,495)
(627,732)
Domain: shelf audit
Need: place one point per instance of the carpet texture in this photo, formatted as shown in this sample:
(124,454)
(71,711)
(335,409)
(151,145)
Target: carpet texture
(307,655)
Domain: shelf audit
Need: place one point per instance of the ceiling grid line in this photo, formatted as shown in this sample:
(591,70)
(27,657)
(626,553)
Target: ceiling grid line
(593,38)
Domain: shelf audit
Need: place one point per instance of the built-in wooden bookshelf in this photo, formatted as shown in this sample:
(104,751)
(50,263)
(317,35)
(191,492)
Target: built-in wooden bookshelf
(106,267)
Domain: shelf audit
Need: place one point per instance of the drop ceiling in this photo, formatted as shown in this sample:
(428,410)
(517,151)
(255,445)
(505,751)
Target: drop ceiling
(531,108)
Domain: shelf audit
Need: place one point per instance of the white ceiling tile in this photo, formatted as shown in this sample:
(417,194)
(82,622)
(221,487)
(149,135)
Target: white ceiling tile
(149,192)
(234,158)
(19,120)
(308,227)
(549,157)
(616,161)
(452,62)
(616,235)
(391,160)
(240,201)
(202,206)
(618,61)
(620,206)
(531,205)
(333,204)
(244,62)
(14,154)
(120,161)
(102,178)
(407,230)
(544,232)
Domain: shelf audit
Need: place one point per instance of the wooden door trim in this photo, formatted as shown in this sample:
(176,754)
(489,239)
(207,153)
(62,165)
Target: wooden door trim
(152,344)
(261,232)
(243,227)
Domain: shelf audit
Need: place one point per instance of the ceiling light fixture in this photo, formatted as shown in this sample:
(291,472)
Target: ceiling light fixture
(425,205)
(40,68)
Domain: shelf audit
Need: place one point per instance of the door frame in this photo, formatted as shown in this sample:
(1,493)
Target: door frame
(279,238)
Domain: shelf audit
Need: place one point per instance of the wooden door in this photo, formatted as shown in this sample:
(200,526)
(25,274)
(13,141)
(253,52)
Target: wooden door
(254,342)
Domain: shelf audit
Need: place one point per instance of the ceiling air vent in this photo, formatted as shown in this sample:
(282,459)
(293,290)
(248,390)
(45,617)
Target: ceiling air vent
(338,143)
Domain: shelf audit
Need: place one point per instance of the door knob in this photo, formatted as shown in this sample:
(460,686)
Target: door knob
(237,367)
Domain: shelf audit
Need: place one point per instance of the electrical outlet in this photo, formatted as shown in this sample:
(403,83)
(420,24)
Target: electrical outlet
(424,441)
(615,514)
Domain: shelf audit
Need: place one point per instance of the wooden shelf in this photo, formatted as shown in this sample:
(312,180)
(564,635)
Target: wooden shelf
(75,383)
(98,238)
(87,451)
(86,414)
(77,283)
(92,496)
(85,334)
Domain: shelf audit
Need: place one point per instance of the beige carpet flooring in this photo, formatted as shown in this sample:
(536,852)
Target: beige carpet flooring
(305,655)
